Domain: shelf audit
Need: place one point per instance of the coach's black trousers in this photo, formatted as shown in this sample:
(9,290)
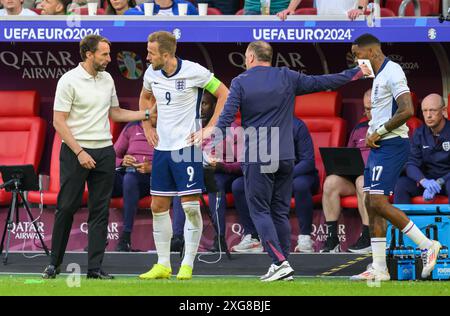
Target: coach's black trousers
(100,181)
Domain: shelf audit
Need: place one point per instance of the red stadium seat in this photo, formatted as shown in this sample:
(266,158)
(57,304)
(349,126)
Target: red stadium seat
(229,197)
(22,132)
(448,106)
(320,104)
(38,11)
(214,11)
(50,196)
(325,132)
(412,124)
(440,199)
(306,4)
(84,11)
(385,13)
(306,11)
(143,203)
(426,7)
(240,12)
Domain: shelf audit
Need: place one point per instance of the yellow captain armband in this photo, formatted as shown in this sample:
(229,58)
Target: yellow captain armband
(213,85)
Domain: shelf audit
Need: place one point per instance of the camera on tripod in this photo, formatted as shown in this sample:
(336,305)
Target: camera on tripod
(18,179)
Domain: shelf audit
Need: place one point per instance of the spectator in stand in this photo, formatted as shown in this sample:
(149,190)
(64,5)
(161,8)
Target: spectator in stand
(15,7)
(428,166)
(119,7)
(164,7)
(253,7)
(134,157)
(336,187)
(227,7)
(351,8)
(54,7)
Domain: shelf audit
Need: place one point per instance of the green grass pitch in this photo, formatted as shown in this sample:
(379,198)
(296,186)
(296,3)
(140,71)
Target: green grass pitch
(214,286)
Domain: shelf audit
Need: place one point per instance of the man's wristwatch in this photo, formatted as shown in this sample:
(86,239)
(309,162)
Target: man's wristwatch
(147,115)
(360,7)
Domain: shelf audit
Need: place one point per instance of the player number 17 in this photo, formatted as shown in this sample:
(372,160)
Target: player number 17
(376,173)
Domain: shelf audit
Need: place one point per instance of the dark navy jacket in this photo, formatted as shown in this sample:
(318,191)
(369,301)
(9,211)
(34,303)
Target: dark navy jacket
(429,158)
(304,150)
(265,96)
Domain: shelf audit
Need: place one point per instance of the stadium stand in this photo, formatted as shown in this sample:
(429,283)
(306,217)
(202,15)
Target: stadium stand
(22,131)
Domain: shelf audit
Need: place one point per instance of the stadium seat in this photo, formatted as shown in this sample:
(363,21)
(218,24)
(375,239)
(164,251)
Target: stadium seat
(306,11)
(412,124)
(325,132)
(240,12)
(385,13)
(229,197)
(448,106)
(84,11)
(440,199)
(214,11)
(49,197)
(320,104)
(143,203)
(426,7)
(36,10)
(22,132)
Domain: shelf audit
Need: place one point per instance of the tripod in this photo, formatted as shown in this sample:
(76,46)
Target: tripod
(14,185)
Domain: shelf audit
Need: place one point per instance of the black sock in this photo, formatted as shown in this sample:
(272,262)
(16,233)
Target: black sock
(332,229)
(365,232)
(126,236)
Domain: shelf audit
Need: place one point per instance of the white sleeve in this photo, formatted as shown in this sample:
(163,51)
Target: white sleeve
(147,84)
(202,76)
(397,82)
(64,96)
(114,99)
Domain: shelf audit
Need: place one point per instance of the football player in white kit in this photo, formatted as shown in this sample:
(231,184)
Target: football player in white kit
(173,88)
(388,139)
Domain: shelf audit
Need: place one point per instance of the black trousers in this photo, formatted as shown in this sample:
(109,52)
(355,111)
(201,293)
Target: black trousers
(100,181)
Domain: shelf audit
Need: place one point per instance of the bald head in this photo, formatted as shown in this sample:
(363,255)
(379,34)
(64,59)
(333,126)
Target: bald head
(258,53)
(367,103)
(433,108)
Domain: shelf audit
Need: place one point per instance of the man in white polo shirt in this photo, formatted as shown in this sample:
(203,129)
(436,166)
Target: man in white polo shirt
(15,7)
(85,98)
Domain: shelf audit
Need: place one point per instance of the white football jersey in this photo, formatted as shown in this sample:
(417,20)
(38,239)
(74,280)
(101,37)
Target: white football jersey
(178,100)
(388,85)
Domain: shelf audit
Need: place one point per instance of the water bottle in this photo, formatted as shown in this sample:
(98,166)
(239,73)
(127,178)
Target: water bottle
(265,7)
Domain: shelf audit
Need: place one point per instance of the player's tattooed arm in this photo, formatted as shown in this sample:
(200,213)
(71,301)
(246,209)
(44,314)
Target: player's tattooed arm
(404,112)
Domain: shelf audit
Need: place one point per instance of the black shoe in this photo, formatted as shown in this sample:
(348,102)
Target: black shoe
(123,246)
(223,245)
(177,243)
(50,272)
(99,274)
(362,245)
(331,245)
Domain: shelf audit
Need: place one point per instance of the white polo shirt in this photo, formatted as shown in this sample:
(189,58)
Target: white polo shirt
(24,12)
(87,100)
(335,7)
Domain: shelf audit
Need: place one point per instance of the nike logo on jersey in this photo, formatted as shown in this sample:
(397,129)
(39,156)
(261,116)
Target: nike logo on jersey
(374,185)
(137,134)
(190,185)
(425,147)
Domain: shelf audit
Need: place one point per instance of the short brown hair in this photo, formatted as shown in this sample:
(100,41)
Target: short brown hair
(166,41)
(262,50)
(90,44)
